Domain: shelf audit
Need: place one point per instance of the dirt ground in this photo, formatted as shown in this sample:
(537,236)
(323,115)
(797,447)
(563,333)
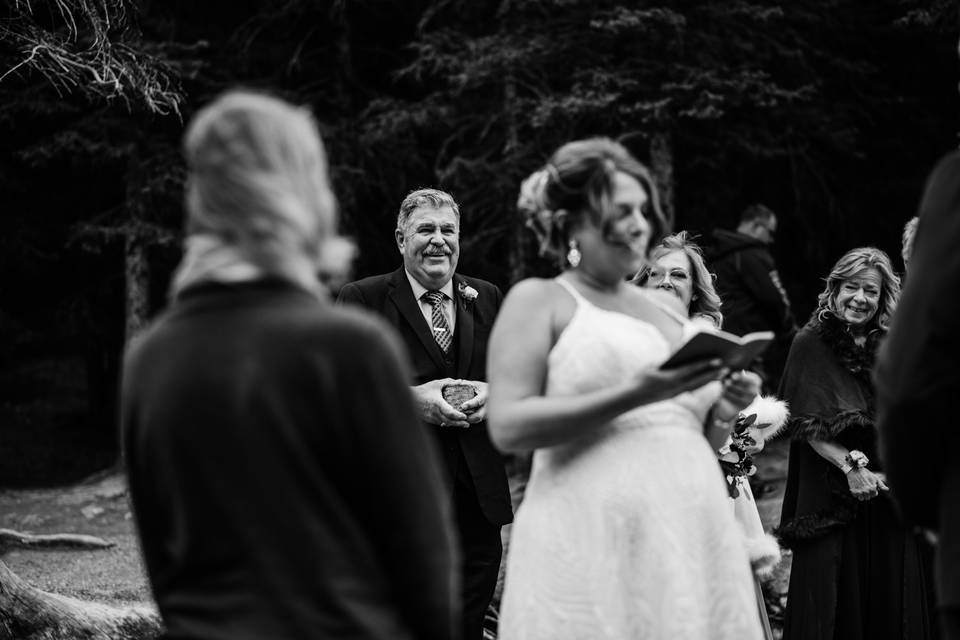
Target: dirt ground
(113,576)
(116,575)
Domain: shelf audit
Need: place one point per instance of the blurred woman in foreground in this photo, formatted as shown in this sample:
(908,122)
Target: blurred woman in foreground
(282,484)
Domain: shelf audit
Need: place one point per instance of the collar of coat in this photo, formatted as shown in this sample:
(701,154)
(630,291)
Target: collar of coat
(837,336)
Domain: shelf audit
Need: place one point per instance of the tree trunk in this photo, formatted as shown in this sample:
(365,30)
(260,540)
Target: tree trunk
(137,275)
(136,265)
(661,164)
(27,613)
(517,259)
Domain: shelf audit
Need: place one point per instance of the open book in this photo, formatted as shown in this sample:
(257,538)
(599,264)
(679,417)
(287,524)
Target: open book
(705,344)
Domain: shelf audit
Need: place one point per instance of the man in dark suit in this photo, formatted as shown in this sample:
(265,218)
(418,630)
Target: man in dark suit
(918,381)
(445,320)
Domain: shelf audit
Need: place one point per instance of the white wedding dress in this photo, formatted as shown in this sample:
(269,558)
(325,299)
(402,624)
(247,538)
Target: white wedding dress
(626,532)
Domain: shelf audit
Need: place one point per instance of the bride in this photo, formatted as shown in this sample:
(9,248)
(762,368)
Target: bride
(624,531)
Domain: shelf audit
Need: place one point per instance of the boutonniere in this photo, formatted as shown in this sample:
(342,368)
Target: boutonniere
(467,293)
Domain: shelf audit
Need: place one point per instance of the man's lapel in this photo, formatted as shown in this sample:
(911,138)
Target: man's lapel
(464,328)
(402,296)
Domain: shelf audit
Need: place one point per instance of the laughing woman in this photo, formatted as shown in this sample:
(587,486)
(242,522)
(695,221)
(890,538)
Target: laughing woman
(856,572)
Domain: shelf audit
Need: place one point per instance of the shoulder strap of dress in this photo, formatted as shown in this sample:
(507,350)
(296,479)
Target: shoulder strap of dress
(667,309)
(572,290)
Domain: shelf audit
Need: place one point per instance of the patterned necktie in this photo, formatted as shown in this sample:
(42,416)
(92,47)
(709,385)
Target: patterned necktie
(441,328)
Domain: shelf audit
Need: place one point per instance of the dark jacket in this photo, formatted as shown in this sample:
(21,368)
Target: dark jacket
(748,284)
(390,295)
(918,379)
(282,485)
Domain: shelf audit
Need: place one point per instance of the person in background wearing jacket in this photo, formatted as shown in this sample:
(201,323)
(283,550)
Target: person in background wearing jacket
(749,285)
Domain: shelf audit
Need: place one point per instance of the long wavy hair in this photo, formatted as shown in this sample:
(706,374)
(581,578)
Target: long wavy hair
(851,263)
(705,301)
(576,185)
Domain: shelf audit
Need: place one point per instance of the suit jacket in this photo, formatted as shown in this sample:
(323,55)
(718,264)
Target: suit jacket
(918,378)
(391,296)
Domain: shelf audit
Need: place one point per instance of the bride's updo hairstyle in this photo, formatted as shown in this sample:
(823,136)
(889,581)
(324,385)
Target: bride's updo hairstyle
(576,186)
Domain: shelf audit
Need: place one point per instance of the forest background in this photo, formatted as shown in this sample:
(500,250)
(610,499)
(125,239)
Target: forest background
(831,112)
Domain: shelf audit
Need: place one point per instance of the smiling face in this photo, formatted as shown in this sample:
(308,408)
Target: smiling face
(858,297)
(618,247)
(430,245)
(671,272)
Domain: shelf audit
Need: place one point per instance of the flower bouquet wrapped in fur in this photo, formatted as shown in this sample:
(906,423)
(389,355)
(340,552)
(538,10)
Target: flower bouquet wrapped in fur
(758,422)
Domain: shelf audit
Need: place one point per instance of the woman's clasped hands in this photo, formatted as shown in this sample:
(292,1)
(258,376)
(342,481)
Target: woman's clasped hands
(865,484)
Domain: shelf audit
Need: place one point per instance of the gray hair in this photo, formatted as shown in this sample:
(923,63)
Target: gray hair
(433,198)
(909,232)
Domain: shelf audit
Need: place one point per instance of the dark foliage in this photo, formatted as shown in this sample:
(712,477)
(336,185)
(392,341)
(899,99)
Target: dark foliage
(829,111)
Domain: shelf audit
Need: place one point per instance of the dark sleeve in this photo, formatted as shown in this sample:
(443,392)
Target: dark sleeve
(142,483)
(761,278)
(499,297)
(918,371)
(397,491)
(350,294)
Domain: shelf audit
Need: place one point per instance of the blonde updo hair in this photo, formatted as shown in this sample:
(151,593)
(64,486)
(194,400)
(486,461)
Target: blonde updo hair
(576,186)
(851,263)
(258,181)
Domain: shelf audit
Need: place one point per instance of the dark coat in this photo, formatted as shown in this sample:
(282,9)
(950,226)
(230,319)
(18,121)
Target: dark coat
(748,284)
(281,483)
(391,296)
(827,385)
(918,379)
(857,572)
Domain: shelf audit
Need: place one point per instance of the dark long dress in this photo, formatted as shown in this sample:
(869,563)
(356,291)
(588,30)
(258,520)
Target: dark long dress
(857,573)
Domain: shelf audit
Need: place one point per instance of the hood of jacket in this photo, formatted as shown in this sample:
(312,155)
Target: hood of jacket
(725,242)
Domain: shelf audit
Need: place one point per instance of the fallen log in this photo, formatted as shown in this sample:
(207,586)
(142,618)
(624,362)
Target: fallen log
(28,613)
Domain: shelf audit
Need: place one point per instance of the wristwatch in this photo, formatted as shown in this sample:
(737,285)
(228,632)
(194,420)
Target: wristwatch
(854,460)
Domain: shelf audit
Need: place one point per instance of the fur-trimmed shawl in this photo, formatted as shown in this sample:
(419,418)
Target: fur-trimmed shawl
(854,358)
(827,383)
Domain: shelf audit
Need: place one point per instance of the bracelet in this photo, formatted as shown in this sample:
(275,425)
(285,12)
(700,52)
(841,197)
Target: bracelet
(854,460)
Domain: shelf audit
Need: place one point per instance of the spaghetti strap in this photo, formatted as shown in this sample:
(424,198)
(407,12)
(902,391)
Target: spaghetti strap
(572,290)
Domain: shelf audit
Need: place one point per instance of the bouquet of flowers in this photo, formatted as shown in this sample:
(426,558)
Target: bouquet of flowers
(762,419)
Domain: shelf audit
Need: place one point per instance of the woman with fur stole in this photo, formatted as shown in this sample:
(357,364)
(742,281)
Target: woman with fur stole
(857,574)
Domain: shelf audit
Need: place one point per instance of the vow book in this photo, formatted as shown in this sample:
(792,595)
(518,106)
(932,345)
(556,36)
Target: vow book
(737,352)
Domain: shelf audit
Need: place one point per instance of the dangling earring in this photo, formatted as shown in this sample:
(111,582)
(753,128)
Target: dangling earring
(573,255)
